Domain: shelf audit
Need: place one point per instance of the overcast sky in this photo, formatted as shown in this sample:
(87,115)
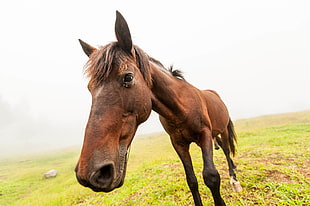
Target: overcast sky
(256,54)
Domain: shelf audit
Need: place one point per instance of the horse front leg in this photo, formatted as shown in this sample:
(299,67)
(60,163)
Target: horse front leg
(211,176)
(182,150)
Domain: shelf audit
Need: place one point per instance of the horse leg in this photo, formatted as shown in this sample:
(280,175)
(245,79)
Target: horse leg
(235,184)
(182,150)
(216,144)
(210,174)
(226,151)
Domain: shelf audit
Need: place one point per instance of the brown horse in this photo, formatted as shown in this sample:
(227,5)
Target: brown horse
(126,84)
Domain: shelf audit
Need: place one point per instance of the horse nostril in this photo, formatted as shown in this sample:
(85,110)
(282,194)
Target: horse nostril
(105,173)
(104,176)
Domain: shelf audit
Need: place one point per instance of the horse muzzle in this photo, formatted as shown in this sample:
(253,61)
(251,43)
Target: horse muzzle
(105,175)
(104,178)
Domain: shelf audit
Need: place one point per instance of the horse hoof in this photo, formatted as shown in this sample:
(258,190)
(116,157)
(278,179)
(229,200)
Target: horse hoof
(235,184)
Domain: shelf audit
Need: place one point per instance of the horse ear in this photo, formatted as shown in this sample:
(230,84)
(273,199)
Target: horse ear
(88,50)
(122,33)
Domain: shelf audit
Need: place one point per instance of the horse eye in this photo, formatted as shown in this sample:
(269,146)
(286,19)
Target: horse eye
(127,80)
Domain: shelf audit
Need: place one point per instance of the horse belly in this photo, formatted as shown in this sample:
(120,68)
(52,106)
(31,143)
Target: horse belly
(182,131)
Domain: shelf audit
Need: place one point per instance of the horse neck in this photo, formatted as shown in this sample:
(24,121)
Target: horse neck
(167,90)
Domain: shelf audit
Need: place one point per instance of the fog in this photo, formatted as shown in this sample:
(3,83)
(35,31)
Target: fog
(23,134)
(255,54)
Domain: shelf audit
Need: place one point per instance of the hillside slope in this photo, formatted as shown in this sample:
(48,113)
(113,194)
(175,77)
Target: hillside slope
(272,120)
(272,159)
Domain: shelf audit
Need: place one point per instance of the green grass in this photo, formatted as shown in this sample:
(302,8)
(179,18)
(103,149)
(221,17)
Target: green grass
(273,163)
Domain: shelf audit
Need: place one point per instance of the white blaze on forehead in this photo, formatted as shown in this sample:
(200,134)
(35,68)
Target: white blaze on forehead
(98,92)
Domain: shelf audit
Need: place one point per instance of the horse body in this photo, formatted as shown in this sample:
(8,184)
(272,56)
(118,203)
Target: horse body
(126,84)
(191,115)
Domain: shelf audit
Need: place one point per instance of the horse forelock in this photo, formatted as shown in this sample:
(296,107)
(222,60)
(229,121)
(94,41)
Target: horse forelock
(101,63)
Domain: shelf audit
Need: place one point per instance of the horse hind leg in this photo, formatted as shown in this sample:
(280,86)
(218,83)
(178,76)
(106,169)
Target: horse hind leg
(216,144)
(223,142)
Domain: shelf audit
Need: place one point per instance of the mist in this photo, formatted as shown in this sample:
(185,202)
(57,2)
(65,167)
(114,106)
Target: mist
(21,133)
(255,54)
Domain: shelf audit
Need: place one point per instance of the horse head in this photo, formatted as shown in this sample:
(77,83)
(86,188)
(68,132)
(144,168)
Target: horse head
(121,100)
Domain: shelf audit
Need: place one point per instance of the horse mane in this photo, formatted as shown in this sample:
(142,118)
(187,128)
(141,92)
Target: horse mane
(101,62)
(176,73)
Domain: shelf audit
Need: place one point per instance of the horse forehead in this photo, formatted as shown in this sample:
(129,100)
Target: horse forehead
(127,64)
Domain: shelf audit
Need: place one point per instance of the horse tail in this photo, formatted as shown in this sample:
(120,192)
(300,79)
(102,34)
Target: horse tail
(232,137)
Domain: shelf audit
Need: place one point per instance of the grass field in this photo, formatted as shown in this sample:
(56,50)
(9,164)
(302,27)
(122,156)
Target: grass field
(273,163)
